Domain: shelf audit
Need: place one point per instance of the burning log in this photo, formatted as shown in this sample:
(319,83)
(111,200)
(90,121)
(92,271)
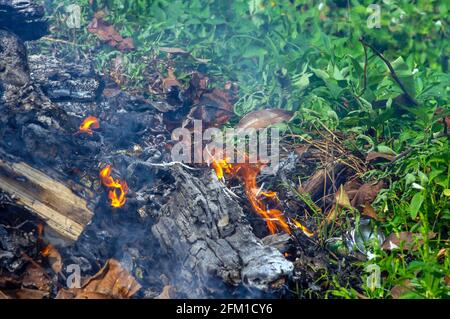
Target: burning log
(49,199)
(206,234)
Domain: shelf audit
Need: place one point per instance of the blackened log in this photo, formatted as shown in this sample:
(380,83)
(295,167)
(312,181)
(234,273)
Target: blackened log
(206,234)
(49,199)
(25,18)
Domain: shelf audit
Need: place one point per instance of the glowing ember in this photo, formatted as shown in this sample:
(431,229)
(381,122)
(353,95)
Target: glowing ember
(119,188)
(91,122)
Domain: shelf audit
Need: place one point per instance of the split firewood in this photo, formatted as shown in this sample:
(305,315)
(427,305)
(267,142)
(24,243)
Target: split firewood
(47,198)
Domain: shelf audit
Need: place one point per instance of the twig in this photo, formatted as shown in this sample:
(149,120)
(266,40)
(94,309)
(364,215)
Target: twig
(391,69)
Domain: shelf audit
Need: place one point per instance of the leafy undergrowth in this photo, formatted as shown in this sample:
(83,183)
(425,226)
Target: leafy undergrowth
(308,57)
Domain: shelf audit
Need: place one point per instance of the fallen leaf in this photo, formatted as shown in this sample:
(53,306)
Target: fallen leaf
(264,118)
(441,253)
(213,109)
(366,194)
(407,240)
(342,199)
(369,211)
(332,215)
(377,155)
(25,293)
(108,33)
(112,281)
(35,277)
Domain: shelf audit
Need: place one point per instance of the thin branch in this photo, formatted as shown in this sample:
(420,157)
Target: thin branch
(391,69)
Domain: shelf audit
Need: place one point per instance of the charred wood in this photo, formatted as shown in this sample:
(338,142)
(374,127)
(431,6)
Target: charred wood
(206,234)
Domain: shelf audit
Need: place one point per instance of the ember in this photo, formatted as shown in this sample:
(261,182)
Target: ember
(91,122)
(117,186)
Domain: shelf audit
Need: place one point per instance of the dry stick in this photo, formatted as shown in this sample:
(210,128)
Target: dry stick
(391,69)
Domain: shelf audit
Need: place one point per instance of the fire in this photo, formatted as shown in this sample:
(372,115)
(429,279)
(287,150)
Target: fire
(274,218)
(305,230)
(47,250)
(118,190)
(248,173)
(91,122)
(221,165)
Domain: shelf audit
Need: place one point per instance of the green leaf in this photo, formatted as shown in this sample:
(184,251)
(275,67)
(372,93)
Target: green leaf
(386,150)
(405,75)
(446,192)
(321,74)
(415,205)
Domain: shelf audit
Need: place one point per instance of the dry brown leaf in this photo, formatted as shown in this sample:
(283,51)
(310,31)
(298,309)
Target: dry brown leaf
(35,277)
(214,109)
(25,293)
(264,118)
(441,253)
(112,281)
(332,214)
(407,240)
(342,199)
(108,33)
(366,194)
(377,155)
(370,212)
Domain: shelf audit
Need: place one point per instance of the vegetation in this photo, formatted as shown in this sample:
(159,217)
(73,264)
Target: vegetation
(308,56)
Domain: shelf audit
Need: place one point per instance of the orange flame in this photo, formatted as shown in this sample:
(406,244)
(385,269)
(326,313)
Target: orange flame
(273,217)
(247,173)
(116,185)
(91,122)
(47,250)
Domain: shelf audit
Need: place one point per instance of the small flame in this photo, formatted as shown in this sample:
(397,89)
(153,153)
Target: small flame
(119,188)
(221,165)
(305,230)
(47,250)
(91,122)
